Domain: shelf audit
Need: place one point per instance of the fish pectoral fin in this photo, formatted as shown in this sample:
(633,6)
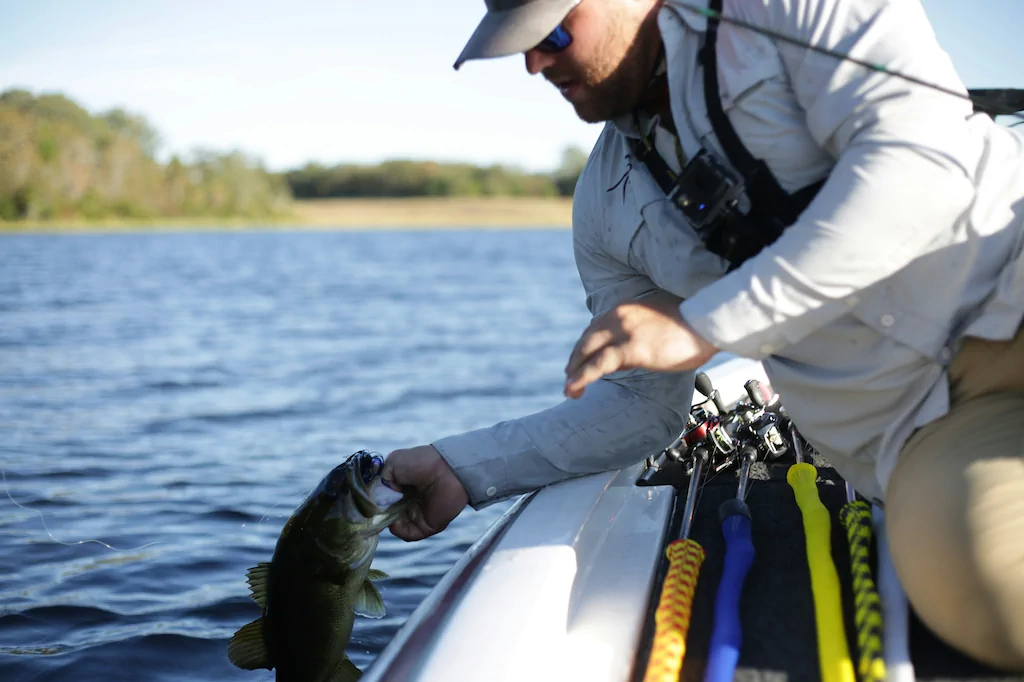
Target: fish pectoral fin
(369,603)
(248,649)
(345,672)
(257,579)
(375,574)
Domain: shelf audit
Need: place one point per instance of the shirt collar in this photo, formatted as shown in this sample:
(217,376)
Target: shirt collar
(671,16)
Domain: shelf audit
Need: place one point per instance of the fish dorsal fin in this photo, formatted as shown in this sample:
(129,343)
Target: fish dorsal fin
(248,649)
(345,672)
(369,603)
(375,574)
(257,579)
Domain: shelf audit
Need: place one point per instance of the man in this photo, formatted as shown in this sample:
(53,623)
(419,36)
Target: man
(885,313)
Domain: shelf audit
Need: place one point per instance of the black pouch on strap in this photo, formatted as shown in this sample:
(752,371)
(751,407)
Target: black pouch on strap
(707,192)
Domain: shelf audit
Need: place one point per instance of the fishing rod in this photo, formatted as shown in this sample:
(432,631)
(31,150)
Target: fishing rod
(993,102)
(757,437)
(706,444)
(856,519)
(685,556)
(727,635)
(898,665)
(833,653)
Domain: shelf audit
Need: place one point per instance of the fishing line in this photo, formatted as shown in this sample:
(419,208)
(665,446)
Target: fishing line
(709,475)
(301,497)
(985,102)
(750,484)
(267,514)
(42,519)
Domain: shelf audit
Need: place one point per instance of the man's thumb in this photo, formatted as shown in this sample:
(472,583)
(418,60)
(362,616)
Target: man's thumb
(390,471)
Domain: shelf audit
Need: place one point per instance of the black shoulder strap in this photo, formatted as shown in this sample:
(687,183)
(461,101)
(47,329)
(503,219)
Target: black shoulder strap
(763,190)
(644,151)
(738,237)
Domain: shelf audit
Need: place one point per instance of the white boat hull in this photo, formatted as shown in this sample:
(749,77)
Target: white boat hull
(560,588)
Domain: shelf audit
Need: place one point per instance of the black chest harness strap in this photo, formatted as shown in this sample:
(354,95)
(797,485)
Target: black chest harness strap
(725,231)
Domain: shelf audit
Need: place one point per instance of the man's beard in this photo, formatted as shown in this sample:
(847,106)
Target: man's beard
(617,96)
(620,92)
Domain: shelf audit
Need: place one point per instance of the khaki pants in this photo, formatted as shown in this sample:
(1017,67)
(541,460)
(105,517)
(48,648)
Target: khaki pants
(955,509)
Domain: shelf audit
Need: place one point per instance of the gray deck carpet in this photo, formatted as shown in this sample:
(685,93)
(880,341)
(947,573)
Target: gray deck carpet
(777,608)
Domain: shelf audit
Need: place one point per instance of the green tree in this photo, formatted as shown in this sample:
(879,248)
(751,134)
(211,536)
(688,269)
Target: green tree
(59,161)
(573,160)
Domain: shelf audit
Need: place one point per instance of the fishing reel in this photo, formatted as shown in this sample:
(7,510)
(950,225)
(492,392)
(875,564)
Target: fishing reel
(753,429)
(677,461)
(706,441)
(758,424)
(718,438)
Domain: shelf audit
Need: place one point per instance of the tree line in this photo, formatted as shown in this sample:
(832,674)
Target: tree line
(429,178)
(59,161)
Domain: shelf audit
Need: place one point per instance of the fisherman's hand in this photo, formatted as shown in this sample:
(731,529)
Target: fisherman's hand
(650,334)
(437,495)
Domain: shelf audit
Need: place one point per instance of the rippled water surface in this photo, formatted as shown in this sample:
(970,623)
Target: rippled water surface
(174,396)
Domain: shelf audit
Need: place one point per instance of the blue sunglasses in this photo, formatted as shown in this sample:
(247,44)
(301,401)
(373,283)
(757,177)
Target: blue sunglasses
(557,40)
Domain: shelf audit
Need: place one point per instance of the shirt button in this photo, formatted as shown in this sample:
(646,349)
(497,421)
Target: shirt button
(852,301)
(945,355)
(766,349)
(491,491)
(888,320)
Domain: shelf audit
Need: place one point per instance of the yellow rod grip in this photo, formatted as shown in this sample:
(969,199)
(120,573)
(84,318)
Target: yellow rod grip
(833,653)
(856,519)
(672,617)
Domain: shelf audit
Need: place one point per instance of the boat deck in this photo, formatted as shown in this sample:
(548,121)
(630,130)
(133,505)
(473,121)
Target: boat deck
(777,608)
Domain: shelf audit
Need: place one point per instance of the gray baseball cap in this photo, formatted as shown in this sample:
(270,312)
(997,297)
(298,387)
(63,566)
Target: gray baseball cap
(513,26)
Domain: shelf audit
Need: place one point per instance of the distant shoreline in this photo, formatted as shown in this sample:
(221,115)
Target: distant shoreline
(350,214)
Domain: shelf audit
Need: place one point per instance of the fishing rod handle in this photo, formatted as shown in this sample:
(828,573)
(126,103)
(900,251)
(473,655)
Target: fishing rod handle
(856,519)
(727,635)
(672,617)
(702,382)
(898,666)
(833,653)
(753,389)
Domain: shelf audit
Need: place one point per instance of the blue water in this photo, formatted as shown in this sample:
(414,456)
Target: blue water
(174,396)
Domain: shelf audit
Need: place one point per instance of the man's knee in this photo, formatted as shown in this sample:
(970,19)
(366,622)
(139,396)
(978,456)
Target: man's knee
(955,520)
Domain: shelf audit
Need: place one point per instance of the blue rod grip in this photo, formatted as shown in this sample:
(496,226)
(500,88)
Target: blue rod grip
(724,652)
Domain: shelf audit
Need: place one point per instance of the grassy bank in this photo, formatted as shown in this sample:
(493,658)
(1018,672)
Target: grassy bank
(458,212)
(436,212)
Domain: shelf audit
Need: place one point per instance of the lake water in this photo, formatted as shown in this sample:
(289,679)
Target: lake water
(175,395)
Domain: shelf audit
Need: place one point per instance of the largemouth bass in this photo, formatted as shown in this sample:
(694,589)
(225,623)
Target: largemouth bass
(319,577)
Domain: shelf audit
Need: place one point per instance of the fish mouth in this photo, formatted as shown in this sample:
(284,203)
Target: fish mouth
(375,517)
(356,495)
(385,517)
(364,480)
(361,495)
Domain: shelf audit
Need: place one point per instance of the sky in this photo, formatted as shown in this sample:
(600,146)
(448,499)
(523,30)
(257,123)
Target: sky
(348,81)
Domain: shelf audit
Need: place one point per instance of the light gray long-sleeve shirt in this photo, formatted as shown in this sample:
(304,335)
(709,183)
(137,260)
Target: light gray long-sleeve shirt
(913,243)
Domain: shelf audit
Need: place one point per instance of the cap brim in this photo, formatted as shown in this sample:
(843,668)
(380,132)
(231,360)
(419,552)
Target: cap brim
(516,30)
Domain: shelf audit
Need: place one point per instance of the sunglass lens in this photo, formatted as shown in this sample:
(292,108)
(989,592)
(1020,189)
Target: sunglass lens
(558,40)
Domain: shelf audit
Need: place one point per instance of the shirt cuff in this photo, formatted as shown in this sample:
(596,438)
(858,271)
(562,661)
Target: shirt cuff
(483,478)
